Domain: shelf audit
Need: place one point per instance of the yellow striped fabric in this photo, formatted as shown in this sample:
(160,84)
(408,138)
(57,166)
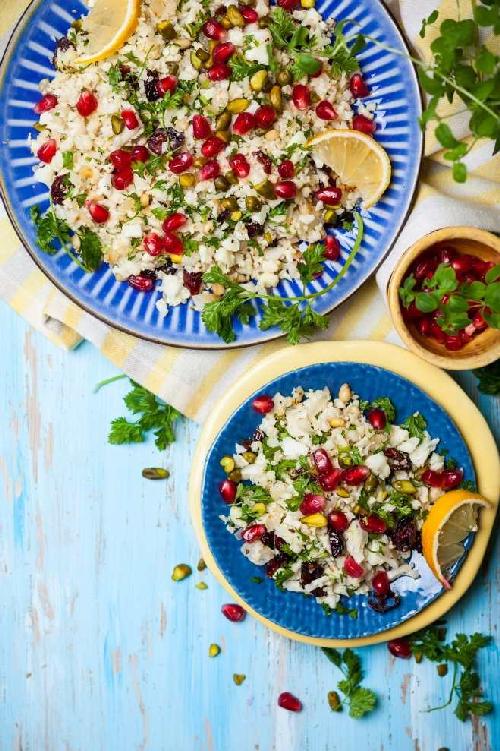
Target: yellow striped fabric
(192,380)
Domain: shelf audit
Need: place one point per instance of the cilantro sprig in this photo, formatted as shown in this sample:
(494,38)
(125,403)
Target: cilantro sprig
(361,701)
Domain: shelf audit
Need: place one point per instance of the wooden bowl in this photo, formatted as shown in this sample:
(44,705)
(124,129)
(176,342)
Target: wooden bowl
(482,349)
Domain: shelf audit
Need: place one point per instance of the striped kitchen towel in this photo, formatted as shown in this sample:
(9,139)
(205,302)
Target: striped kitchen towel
(192,380)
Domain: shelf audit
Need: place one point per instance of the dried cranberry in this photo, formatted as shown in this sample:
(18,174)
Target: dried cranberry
(352,568)
(63,44)
(253,532)
(405,536)
(233,612)
(332,248)
(330,196)
(243,123)
(141,282)
(201,126)
(59,189)
(286,700)
(312,504)
(192,280)
(358,86)
(269,539)
(47,151)
(336,539)
(310,571)
(265,161)
(254,229)
(222,52)
(175,139)
(87,103)
(325,110)
(399,648)
(263,404)
(399,461)
(157,141)
(151,86)
(286,169)
(227,489)
(356,475)
(377,418)
(364,125)
(301,96)
(45,104)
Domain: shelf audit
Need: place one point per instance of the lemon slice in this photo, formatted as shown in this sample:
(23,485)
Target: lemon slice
(109,24)
(447,525)
(358,160)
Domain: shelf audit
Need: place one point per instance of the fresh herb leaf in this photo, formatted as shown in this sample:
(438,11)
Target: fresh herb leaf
(123,431)
(311,263)
(341,56)
(415,424)
(489,378)
(68,159)
(281,27)
(360,700)
(241,68)
(90,249)
(49,229)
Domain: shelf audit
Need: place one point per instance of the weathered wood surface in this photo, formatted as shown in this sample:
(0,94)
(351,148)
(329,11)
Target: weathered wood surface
(101,651)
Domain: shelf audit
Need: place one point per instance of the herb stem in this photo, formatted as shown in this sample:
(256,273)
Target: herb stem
(107,381)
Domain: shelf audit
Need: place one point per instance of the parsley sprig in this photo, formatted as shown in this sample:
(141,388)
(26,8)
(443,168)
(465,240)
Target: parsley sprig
(360,700)
(51,229)
(489,378)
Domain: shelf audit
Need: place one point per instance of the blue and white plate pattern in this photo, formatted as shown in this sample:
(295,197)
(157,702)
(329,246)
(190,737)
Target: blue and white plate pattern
(290,610)
(394,88)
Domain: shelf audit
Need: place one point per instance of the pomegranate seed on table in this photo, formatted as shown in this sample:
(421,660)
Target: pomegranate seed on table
(87,103)
(142,283)
(139,154)
(338,521)
(373,524)
(192,280)
(356,475)
(210,170)
(263,404)
(399,648)
(47,151)
(364,124)
(99,213)
(352,568)
(213,29)
(265,116)
(331,480)
(249,14)
(322,461)
(265,161)
(219,72)
(122,178)
(154,244)
(286,169)
(168,83)
(330,196)
(120,158)
(227,489)
(223,51)
(325,110)
(45,104)
(181,162)
(432,478)
(239,165)
(212,146)
(233,612)
(286,700)
(130,119)
(174,221)
(173,244)
(377,418)
(285,189)
(451,478)
(312,504)
(244,123)
(253,532)
(332,248)
(381,584)
(358,86)
(301,96)
(201,127)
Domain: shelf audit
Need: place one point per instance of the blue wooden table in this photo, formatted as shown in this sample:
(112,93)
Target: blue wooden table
(101,651)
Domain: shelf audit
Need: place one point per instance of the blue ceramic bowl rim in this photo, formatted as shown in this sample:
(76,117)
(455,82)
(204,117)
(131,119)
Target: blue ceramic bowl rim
(213,457)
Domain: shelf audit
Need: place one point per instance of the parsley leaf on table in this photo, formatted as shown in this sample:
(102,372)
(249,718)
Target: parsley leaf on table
(154,414)
(360,700)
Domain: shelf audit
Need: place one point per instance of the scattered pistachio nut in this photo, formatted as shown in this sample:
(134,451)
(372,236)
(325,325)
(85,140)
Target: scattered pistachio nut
(201,585)
(155,473)
(334,701)
(239,678)
(214,650)
(314,520)
(181,571)
(117,124)
(201,565)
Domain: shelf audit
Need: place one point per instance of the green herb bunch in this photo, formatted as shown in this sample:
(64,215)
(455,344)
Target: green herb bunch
(50,228)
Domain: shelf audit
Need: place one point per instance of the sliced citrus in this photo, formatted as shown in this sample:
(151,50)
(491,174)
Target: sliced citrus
(447,525)
(109,25)
(358,160)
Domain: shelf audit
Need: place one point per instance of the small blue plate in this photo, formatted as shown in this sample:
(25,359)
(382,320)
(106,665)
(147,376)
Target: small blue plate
(394,88)
(291,610)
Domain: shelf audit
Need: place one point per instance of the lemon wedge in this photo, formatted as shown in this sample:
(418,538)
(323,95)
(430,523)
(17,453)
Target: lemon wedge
(447,525)
(358,160)
(109,25)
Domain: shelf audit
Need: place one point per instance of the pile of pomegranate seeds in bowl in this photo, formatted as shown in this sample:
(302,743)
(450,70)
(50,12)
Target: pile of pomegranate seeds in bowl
(330,493)
(187,149)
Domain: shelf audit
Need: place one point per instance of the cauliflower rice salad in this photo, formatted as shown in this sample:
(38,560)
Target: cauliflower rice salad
(330,495)
(187,149)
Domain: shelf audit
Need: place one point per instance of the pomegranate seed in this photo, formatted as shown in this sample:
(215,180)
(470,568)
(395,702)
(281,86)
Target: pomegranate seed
(265,161)
(222,52)
(154,244)
(424,326)
(227,489)
(265,116)
(288,4)
(219,72)
(301,96)
(425,268)
(338,521)
(462,263)
(233,612)
(210,170)
(249,14)
(446,255)
(412,312)
(481,268)
(130,119)
(329,196)
(453,342)
(239,165)
(358,86)
(87,103)
(286,700)
(285,189)
(318,72)
(479,323)
(377,418)
(437,332)
(142,283)
(139,154)
(331,480)
(322,461)
(312,504)
(451,478)
(120,158)
(352,568)
(46,103)
(122,178)
(181,162)
(332,248)
(212,146)
(201,126)
(373,524)
(47,151)
(432,478)
(99,214)
(253,532)
(399,648)
(286,169)
(174,221)
(356,475)
(213,29)
(173,244)
(263,404)
(169,83)
(381,584)
(243,123)
(325,110)
(192,280)
(364,125)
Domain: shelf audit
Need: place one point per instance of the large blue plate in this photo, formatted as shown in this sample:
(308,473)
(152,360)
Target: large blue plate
(292,611)
(394,87)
